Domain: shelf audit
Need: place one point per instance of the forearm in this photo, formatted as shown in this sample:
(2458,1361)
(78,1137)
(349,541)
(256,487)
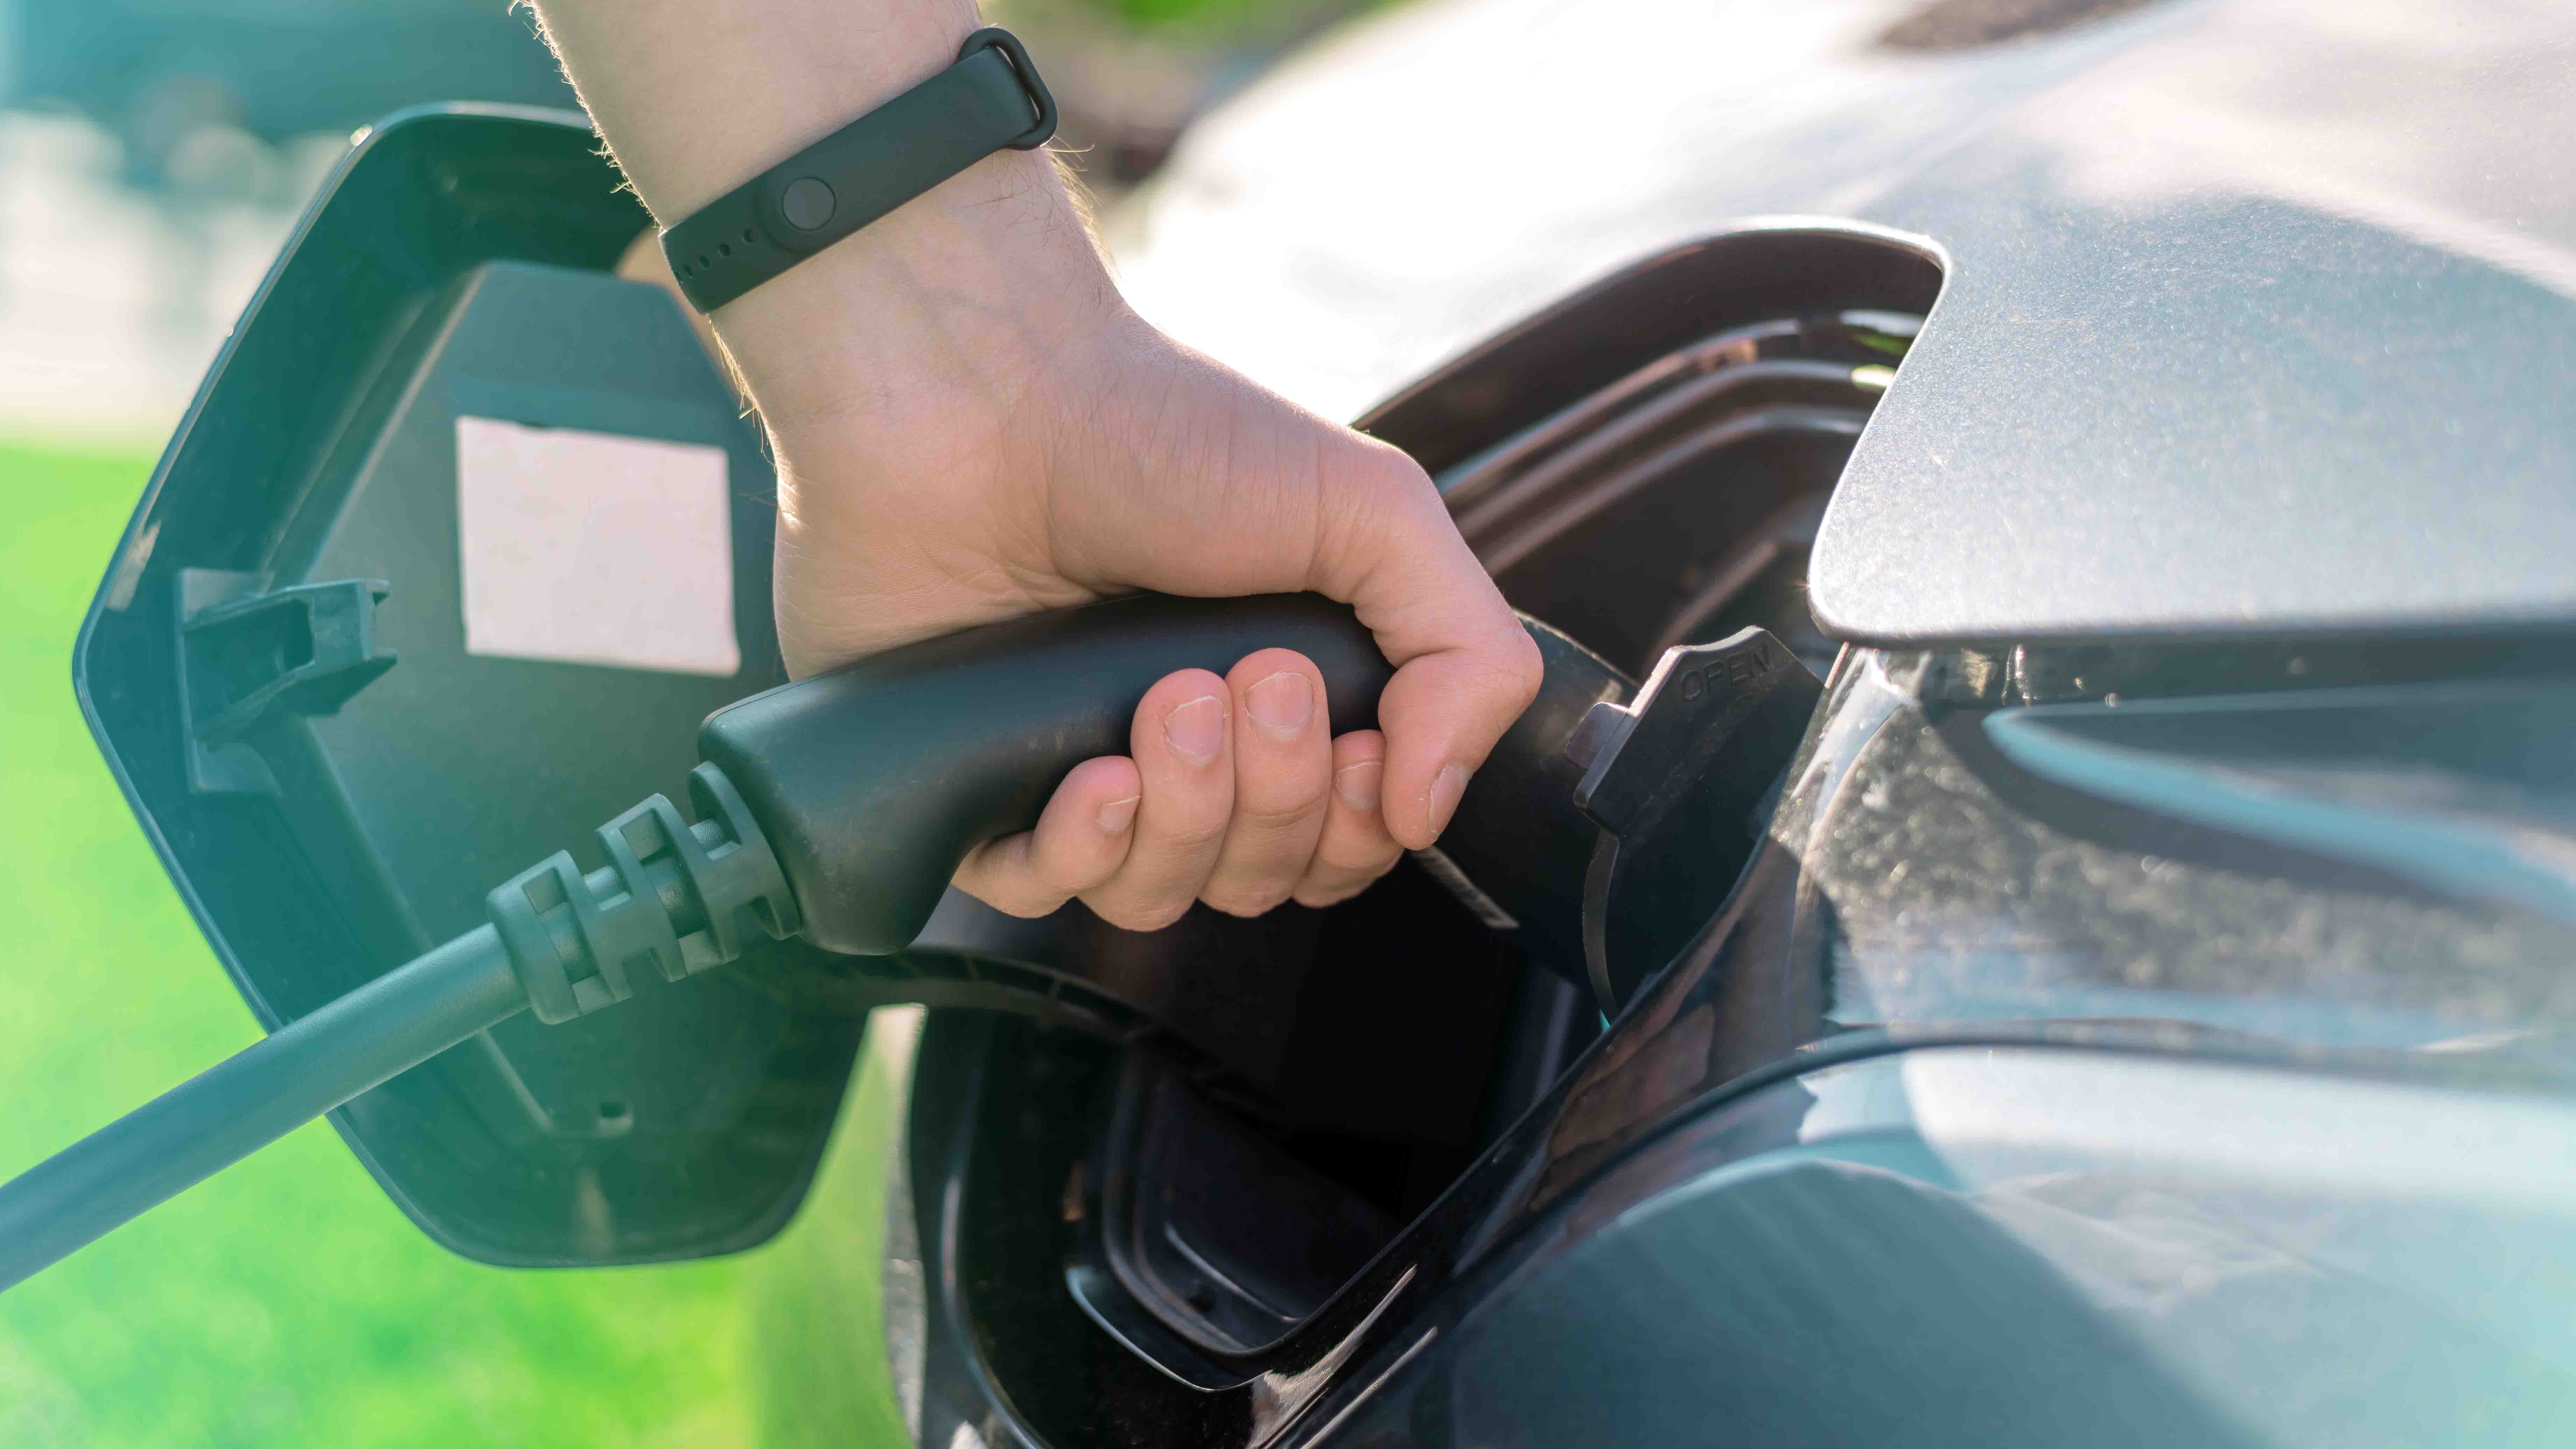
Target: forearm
(696,96)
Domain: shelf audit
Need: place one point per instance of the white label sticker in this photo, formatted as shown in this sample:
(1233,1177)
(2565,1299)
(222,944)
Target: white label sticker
(595,549)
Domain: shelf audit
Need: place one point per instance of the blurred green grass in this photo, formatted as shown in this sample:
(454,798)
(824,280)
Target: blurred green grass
(286,1302)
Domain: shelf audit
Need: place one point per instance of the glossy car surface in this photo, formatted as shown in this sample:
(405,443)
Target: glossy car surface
(2227,284)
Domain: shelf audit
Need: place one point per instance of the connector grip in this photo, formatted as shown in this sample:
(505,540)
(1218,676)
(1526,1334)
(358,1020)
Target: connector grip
(873,781)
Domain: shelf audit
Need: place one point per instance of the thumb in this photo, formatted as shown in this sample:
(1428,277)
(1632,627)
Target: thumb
(1465,668)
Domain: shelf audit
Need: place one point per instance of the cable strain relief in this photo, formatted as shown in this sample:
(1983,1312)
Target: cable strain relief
(551,922)
(743,886)
(676,898)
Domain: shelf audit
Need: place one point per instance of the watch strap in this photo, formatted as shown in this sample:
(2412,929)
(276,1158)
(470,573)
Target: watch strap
(990,100)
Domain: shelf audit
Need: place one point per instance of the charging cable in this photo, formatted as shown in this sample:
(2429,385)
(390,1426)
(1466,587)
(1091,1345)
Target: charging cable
(675,897)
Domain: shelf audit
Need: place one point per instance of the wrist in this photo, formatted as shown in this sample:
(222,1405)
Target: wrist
(989,283)
(985,298)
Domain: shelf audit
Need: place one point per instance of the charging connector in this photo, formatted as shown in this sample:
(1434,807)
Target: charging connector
(835,809)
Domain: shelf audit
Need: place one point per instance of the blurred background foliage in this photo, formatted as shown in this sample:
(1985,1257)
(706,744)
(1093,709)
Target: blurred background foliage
(153,155)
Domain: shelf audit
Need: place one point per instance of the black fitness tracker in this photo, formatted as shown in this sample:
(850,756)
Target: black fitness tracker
(990,99)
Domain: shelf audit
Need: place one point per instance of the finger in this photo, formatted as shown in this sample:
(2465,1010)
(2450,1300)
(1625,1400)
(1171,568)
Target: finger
(1465,668)
(1079,842)
(1182,744)
(1283,772)
(1355,848)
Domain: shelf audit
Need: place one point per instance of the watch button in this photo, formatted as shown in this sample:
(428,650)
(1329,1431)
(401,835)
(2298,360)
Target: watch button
(807,203)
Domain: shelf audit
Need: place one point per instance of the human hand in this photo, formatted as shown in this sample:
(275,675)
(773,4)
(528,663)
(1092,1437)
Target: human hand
(1013,474)
(970,424)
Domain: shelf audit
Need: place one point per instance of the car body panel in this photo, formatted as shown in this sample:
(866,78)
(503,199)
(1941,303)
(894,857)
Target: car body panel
(1898,1249)
(2255,317)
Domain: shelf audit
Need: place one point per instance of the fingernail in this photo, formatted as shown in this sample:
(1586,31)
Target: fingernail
(1117,815)
(1446,787)
(1281,704)
(1358,784)
(1196,730)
